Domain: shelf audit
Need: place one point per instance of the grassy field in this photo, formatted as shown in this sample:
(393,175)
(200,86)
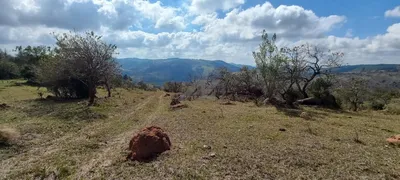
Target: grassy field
(72,141)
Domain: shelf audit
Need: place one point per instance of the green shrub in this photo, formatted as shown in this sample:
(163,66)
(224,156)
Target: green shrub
(377,105)
(393,107)
(8,70)
(320,87)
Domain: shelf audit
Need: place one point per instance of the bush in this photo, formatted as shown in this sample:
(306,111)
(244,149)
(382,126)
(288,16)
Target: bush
(69,89)
(393,107)
(174,87)
(377,105)
(320,88)
(28,73)
(292,96)
(8,70)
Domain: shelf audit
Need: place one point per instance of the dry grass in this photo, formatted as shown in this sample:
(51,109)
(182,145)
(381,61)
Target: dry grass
(69,140)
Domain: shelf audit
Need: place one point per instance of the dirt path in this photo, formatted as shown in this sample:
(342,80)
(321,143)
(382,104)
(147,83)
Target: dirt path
(39,152)
(112,153)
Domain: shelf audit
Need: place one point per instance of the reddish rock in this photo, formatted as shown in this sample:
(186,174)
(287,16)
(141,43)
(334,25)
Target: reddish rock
(394,139)
(148,143)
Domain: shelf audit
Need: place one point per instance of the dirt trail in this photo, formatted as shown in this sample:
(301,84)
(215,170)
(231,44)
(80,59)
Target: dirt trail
(112,152)
(36,154)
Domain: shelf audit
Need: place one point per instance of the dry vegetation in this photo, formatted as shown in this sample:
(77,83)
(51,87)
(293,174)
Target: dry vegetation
(209,140)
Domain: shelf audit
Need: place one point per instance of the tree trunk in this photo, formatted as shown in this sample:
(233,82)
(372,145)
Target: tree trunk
(92,94)
(304,92)
(108,89)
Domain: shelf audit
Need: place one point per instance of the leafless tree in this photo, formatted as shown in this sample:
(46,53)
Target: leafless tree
(318,61)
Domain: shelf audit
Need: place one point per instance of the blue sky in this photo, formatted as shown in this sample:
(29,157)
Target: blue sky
(364,17)
(367,31)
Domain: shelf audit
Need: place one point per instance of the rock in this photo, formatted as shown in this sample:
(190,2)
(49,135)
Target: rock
(148,143)
(328,101)
(394,140)
(227,103)
(209,156)
(312,101)
(178,106)
(206,147)
(213,154)
(305,115)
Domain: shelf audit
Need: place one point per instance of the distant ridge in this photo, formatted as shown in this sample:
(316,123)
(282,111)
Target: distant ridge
(367,68)
(159,71)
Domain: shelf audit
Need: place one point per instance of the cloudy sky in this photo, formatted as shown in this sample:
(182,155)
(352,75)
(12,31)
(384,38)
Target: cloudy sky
(367,31)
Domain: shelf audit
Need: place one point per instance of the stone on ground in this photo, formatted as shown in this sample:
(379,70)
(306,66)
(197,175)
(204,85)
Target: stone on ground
(394,139)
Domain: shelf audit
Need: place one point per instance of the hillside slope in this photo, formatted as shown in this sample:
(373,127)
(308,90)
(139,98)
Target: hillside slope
(174,69)
(72,141)
(368,68)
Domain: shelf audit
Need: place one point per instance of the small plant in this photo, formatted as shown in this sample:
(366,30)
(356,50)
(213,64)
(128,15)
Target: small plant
(222,113)
(40,94)
(310,130)
(357,139)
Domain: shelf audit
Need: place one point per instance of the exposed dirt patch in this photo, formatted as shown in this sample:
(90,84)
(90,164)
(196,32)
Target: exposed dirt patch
(148,143)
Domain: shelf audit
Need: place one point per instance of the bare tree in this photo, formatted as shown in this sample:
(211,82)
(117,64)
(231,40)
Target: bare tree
(112,72)
(318,61)
(87,58)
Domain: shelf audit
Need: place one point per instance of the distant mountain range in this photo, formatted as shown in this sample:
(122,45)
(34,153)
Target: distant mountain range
(175,69)
(368,68)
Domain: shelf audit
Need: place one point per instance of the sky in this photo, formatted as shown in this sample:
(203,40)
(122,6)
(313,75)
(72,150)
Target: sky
(366,31)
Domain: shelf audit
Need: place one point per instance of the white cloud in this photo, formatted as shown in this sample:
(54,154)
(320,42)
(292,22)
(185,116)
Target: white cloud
(208,6)
(393,12)
(287,21)
(384,48)
(165,17)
